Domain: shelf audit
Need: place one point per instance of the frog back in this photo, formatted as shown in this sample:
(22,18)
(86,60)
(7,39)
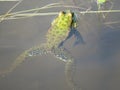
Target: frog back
(59,30)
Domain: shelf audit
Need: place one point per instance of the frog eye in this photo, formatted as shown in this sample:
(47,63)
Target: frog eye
(61,13)
(75,25)
(68,12)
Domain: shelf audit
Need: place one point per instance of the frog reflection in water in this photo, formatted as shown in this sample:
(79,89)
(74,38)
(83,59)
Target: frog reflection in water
(62,28)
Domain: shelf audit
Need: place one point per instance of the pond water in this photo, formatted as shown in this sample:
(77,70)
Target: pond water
(97,61)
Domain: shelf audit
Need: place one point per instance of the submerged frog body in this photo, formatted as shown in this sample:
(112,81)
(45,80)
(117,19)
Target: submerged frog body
(62,28)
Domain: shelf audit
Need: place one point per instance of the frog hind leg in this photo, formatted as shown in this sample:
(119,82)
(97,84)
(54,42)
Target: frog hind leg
(64,55)
(38,50)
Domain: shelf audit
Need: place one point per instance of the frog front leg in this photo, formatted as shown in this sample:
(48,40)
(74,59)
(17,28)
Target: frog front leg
(78,37)
(64,55)
(34,51)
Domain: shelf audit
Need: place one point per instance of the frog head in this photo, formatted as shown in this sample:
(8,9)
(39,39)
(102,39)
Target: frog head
(65,20)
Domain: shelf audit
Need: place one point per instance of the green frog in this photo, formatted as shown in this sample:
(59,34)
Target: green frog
(62,28)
